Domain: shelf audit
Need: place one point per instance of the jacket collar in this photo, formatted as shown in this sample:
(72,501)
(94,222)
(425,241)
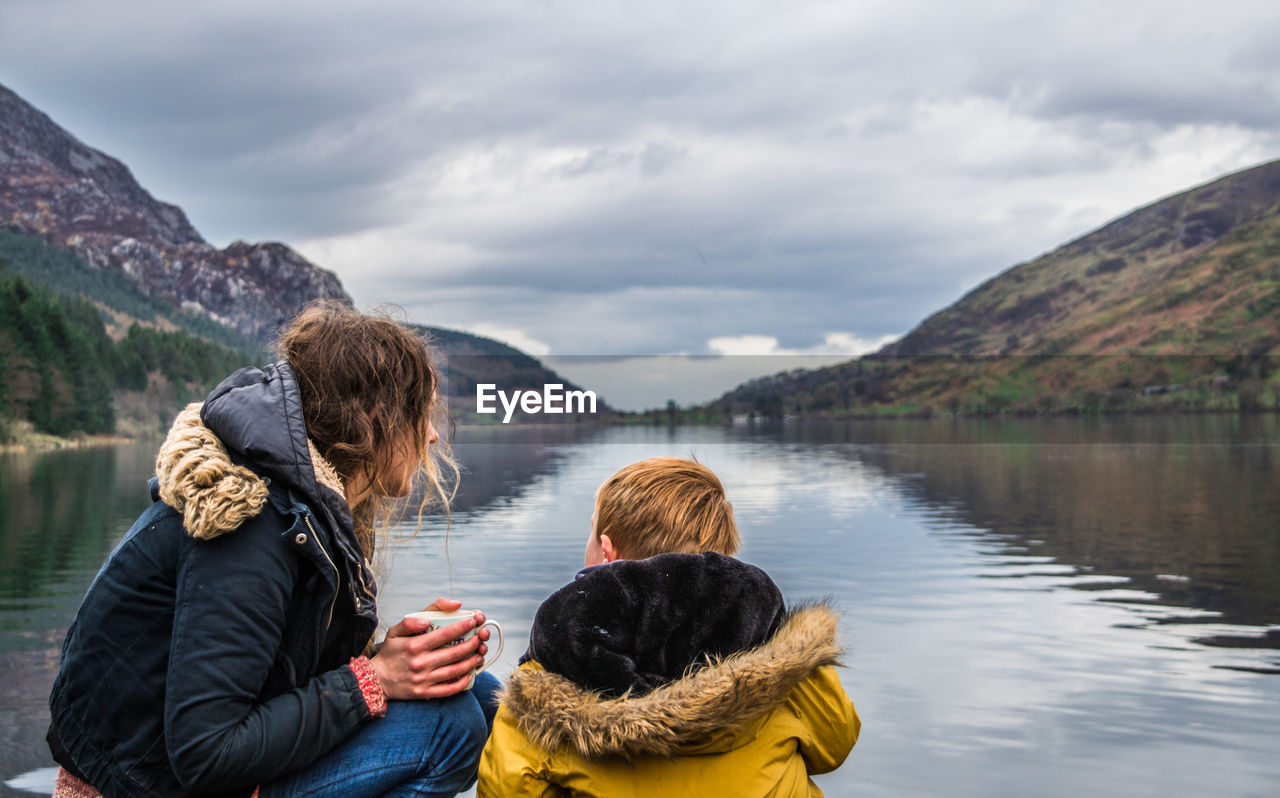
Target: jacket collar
(257,414)
(731,692)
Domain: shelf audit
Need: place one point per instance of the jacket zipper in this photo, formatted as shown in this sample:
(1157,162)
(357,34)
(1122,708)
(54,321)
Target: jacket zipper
(336,576)
(363,587)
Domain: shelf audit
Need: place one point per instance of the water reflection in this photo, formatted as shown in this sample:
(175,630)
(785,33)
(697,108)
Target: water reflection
(1047,607)
(1187,524)
(60,513)
(499,464)
(976,671)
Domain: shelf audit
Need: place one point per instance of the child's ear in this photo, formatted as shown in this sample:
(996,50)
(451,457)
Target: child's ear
(606,546)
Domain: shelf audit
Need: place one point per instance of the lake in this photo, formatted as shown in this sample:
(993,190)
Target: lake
(1048,607)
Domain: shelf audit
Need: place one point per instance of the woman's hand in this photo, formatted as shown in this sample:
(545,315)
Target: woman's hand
(412,665)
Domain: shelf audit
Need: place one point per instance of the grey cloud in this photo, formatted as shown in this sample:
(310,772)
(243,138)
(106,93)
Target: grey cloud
(1168,100)
(1191,64)
(657,175)
(659,321)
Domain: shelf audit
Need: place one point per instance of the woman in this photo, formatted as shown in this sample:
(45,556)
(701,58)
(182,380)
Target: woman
(225,648)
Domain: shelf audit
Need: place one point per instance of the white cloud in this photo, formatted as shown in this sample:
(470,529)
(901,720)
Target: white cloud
(744,345)
(510,336)
(848,343)
(840,345)
(643,382)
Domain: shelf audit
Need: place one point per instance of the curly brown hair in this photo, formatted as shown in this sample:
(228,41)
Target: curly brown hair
(365,381)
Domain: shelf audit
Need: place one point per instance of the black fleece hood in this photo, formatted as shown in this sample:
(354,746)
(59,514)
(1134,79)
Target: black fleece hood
(635,625)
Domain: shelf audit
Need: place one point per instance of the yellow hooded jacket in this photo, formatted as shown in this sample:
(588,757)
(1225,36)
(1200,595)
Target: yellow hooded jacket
(757,723)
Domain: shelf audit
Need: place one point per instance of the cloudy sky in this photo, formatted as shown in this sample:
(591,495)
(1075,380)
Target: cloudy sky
(600,178)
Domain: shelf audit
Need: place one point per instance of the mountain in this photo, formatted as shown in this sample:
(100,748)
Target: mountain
(1195,273)
(1174,306)
(73,196)
(74,220)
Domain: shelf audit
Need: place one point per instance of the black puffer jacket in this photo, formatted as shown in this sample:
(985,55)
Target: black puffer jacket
(210,652)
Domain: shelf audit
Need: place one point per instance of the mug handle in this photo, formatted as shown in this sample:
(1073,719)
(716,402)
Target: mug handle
(493,656)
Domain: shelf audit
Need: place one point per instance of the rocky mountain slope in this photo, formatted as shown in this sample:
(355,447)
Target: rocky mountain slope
(74,196)
(75,221)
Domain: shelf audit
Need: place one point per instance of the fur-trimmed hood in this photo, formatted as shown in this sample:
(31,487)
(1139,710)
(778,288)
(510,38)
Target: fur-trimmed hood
(198,476)
(701,711)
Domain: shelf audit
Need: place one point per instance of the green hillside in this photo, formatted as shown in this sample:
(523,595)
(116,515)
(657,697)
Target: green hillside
(61,372)
(64,272)
(1173,307)
(83,348)
(75,221)
(1196,273)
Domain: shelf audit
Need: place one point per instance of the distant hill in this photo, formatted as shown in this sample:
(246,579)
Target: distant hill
(1173,306)
(472,359)
(1195,273)
(74,220)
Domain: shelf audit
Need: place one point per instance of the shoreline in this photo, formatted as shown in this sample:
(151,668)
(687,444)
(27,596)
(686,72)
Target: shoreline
(29,441)
(26,442)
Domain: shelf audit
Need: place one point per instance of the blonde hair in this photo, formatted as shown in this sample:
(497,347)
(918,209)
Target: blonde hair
(666,505)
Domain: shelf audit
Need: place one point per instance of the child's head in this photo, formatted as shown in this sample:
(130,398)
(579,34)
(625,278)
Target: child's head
(661,505)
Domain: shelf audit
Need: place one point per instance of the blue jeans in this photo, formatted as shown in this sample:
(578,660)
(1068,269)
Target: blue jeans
(421,748)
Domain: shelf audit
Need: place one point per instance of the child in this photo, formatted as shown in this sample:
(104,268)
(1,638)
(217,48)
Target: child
(667,667)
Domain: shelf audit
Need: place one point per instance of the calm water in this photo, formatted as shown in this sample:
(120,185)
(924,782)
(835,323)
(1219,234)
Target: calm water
(1047,608)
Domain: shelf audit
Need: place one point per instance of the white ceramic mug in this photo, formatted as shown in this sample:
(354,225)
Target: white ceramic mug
(439,619)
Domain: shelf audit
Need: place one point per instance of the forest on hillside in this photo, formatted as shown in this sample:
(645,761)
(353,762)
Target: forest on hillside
(61,371)
(1013,385)
(65,273)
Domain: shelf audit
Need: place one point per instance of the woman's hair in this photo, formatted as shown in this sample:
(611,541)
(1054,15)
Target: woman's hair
(365,382)
(666,505)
